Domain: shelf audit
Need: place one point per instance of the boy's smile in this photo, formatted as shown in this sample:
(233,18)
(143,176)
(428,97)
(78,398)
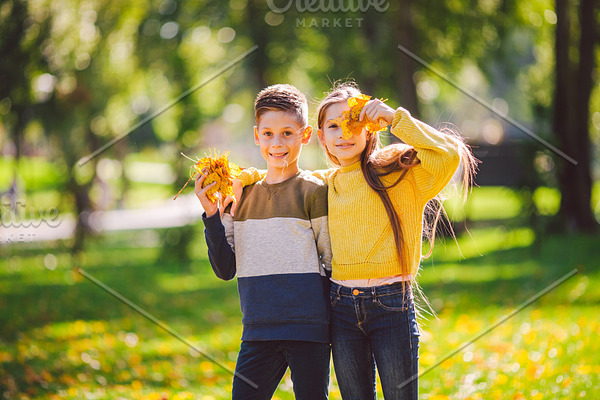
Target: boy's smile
(280,137)
(278,155)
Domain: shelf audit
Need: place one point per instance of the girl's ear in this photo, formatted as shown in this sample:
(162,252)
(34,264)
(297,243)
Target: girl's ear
(321,136)
(306,135)
(256,141)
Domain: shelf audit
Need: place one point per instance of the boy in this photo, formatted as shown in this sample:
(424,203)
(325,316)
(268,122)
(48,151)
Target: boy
(278,243)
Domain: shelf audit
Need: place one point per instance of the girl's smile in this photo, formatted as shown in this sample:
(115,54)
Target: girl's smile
(344,145)
(346,151)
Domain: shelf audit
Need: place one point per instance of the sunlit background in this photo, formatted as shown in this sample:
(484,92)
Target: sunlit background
(77,74)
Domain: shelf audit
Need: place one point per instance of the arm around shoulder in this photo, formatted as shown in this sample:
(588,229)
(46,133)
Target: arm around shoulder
(323,174)
(250,175)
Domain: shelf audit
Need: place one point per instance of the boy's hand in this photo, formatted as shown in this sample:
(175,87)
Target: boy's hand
(210,207)
(377,111)
(238,191)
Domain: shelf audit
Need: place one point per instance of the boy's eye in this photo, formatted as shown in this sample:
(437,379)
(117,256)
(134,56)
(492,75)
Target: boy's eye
(267,133)
(288,133)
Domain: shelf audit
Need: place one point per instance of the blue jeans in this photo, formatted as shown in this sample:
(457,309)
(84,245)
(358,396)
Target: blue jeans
(374,326)
(265,363)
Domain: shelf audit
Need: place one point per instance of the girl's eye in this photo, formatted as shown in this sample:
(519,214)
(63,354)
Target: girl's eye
(333,126)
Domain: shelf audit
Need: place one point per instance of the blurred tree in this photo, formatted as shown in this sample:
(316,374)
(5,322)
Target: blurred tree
(88,71)
(20,38)
(406,68)
(574,52)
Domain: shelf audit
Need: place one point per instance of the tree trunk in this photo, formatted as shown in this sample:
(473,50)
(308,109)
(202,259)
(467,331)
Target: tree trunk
(571,117)
(406,87)
(17,136)
(83,208)
(259,34)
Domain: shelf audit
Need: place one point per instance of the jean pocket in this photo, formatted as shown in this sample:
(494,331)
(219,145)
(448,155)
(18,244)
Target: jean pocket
(392,302)
(333,299)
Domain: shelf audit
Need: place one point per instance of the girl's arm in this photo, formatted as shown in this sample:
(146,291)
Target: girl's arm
(323,174)
(437,152)
(251,175)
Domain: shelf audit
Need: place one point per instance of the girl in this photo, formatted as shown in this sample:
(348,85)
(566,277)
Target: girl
(377,198)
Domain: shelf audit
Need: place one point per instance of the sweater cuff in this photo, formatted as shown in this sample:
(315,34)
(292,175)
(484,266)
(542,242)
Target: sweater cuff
(399,114)
(213,223)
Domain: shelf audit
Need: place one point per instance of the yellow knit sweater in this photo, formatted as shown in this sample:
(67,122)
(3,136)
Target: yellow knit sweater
(362,240)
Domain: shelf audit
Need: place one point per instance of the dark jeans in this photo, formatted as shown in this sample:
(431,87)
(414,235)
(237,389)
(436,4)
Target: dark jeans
(375,326)
(264,363)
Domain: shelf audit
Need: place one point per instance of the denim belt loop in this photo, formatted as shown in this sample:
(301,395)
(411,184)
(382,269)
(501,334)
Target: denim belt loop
(374,293)
(338,290)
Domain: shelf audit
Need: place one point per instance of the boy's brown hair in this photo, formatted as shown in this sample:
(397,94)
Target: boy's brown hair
(282,97)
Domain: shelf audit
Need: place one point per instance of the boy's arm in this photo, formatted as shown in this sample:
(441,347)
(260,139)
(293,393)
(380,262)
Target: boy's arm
(437,152)
(320,227)
(220,250)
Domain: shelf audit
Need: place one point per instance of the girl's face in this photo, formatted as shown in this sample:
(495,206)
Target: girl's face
(347,151)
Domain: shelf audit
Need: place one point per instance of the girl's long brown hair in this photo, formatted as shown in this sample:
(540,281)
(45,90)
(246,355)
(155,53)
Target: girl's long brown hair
(377,162)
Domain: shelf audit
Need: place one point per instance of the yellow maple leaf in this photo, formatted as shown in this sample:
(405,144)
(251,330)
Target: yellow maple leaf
(218,169)
(349,121)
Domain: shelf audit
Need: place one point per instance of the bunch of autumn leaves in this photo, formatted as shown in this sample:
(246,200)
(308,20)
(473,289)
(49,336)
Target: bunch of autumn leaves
(218,168)
(350,122)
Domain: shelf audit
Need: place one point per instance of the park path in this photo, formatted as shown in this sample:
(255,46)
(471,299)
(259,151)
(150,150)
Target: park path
(183,211)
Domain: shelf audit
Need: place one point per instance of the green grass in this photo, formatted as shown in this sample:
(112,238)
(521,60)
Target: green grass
(62,337)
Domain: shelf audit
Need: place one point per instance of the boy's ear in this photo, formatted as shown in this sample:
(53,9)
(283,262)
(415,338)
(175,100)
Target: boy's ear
(306,134)
(256,141)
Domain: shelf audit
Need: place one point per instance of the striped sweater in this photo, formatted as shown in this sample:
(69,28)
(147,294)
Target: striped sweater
(278,245)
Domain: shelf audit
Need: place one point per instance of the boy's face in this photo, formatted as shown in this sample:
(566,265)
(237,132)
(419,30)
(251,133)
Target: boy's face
(280,136)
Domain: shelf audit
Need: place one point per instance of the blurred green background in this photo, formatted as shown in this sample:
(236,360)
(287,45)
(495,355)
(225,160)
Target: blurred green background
(77,74)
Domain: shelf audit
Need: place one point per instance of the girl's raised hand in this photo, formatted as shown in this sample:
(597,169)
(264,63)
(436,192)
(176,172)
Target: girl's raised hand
(377,111)
(210,207)
(238,191)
